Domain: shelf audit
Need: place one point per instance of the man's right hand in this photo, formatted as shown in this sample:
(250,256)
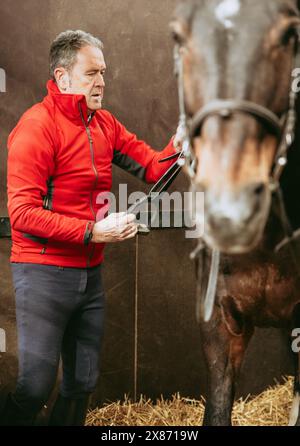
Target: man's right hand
(115,228)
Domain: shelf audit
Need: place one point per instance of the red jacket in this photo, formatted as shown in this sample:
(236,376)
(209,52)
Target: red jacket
(57,165)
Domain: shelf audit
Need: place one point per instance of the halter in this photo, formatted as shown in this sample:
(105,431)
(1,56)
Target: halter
(283,128)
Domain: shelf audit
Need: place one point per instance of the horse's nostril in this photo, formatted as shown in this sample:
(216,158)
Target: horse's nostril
(255,189)
(259,189)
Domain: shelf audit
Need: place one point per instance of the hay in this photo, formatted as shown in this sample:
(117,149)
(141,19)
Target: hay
(270,408)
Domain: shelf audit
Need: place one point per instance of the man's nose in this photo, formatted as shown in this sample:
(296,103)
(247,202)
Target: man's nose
(100,80)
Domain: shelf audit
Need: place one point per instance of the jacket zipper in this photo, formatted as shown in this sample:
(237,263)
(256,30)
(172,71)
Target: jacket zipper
(46,205)
(88,131)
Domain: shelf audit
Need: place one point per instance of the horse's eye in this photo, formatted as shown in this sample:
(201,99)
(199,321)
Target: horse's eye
(178,31)
(287,30)
(287,35)
(178,38)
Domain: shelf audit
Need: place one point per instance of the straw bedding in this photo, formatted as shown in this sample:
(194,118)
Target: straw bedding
(270,408)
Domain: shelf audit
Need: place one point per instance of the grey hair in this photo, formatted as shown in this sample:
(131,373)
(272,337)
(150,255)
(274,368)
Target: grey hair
(65,46)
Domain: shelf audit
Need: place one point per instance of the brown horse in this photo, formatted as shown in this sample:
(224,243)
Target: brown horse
(237,57)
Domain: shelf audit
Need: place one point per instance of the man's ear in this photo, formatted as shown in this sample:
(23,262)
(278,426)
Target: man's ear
(62,78)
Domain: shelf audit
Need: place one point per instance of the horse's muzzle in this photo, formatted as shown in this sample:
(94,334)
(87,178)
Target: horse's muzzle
(234,221)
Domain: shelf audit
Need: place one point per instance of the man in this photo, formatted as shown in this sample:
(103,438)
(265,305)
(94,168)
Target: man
(59,160)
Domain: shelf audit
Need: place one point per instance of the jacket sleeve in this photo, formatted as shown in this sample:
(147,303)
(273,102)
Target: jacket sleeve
(137,157)
(31,162)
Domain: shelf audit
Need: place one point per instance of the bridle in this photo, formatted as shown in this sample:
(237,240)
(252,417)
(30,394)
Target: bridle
(282,127)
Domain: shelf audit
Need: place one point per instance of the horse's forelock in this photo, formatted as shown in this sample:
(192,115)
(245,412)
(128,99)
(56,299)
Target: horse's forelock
(186,8)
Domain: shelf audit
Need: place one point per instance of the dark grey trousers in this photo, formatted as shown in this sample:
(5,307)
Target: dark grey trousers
(60,313)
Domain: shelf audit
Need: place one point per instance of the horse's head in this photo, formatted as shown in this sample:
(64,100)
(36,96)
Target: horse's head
(239,50)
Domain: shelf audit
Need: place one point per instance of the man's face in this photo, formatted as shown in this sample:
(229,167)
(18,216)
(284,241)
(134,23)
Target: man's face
(86,77)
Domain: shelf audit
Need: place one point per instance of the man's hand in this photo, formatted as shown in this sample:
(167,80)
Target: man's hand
(115,228)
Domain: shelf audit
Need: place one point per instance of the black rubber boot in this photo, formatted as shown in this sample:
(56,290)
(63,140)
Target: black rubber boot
(14,415)
(69,411)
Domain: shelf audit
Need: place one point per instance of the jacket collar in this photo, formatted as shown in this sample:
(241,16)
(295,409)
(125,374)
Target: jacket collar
(73,106)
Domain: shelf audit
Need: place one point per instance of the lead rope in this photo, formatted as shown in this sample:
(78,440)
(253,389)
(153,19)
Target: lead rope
(210,296)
